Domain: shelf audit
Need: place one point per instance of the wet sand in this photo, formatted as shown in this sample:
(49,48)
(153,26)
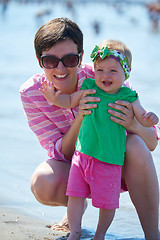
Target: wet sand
(17,225)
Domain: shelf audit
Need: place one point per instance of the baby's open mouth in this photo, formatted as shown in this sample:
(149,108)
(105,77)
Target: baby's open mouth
(107,83)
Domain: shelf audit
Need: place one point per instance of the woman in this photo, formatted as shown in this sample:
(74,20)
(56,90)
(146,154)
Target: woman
(59,49)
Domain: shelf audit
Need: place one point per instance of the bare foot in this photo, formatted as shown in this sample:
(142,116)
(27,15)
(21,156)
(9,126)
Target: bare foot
(62,225)
(74,236)
(63,237)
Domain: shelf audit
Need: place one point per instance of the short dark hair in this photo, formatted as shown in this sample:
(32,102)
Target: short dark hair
(57,30)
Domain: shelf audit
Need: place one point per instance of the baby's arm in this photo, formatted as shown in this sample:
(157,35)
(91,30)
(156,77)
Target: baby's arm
(59,99)
(147,119)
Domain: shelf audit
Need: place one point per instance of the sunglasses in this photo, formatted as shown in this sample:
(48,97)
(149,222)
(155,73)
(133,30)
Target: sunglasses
(70,60)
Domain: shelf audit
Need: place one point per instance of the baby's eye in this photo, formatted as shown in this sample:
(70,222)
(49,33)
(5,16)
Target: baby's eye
(113,70)
(99,70)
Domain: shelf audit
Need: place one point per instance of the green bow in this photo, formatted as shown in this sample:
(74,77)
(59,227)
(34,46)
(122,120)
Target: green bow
(102,53)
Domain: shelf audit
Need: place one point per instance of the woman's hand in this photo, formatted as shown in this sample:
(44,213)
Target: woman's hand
(84,105)
(125,117)
(128,120)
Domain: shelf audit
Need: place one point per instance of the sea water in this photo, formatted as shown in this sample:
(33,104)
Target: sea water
(20,151)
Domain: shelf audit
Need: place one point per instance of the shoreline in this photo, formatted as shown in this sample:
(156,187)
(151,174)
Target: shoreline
(15,224)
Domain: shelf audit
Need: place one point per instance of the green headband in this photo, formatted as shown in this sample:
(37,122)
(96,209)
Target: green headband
(105,52)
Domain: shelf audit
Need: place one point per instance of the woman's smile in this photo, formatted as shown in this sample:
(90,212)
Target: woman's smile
(61,77)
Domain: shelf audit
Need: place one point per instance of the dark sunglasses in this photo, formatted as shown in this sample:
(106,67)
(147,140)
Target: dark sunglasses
(70,60)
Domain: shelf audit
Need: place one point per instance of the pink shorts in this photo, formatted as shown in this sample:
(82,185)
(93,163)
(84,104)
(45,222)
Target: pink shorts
(91,178)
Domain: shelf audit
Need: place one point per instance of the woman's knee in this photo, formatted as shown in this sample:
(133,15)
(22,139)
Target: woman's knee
(136,148)
(138,158)
(49,182)
(42,187)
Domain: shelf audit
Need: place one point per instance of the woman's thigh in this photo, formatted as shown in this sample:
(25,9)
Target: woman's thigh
(138,165)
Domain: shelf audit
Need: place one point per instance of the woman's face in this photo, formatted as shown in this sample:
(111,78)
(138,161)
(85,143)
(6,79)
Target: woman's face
(63,78)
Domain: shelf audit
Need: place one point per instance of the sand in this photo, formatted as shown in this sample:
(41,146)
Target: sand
(17,225)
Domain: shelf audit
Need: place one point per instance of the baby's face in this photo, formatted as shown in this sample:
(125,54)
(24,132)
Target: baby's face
(109,75)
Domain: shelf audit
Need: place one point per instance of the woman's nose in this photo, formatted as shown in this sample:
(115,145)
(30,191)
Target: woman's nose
(60,65)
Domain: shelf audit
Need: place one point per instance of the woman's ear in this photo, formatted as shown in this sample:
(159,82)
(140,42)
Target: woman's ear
(81,57)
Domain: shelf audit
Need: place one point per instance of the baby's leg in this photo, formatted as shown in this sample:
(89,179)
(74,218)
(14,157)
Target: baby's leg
(75,210)
(105,218)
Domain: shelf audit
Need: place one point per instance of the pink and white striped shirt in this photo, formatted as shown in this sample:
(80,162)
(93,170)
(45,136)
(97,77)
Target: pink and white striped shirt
(49,122)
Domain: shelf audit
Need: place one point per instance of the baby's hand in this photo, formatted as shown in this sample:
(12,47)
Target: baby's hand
(151,118)
(49,92)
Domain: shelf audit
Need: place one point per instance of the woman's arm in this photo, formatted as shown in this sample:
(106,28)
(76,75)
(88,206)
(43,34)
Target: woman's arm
(43,123)
(69,140)
(148,135)
(127,119)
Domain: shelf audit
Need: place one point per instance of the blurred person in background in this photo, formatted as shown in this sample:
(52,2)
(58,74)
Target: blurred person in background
(154,14)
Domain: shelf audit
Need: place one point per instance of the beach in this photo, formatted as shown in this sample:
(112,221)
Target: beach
(22,217)
(17,225)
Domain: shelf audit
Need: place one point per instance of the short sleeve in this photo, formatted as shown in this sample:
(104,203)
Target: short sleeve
(129,95)
(87,84)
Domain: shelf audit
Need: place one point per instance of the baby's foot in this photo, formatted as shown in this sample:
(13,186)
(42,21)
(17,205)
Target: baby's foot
(74,236)
(63,237)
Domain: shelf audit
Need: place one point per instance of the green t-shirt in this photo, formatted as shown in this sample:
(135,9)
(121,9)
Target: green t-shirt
(99,136)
